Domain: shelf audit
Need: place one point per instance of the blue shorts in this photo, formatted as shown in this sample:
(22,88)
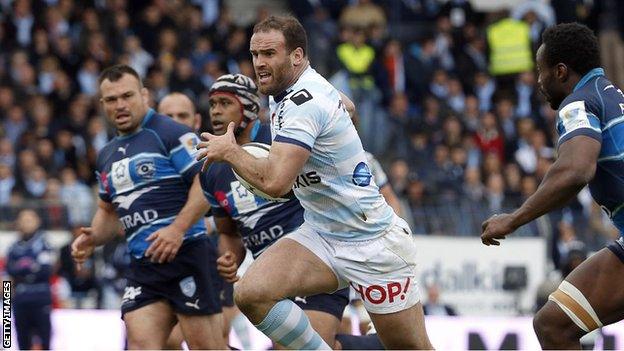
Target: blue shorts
(333,304)
(190,283)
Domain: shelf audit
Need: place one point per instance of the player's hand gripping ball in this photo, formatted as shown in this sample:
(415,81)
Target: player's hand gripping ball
(259,150)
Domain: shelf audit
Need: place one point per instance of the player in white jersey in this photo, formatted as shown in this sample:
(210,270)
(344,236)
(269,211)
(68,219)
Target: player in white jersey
(350,235)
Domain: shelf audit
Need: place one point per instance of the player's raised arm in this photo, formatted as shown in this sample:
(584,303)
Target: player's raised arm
(273,175)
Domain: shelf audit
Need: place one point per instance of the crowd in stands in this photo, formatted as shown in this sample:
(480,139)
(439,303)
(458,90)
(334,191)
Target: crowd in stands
(455,116)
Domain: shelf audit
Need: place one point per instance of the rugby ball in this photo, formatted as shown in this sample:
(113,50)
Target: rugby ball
(259,150)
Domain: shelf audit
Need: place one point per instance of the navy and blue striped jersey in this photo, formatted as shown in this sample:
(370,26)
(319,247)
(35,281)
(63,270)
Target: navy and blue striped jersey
(596,109)
(259,221)
(147,176)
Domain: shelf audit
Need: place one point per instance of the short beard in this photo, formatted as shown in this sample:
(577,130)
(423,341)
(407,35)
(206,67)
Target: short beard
(280,84)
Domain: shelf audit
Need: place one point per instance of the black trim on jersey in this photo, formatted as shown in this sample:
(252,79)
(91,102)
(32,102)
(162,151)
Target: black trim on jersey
(301,97)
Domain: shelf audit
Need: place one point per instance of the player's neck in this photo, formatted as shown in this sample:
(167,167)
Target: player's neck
(298,72)
(245,136)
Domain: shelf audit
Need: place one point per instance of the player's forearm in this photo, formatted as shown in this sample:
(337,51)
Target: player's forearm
(105,226)
(195,208)
(560,185)
(234,244)
(262,173)
(391,199)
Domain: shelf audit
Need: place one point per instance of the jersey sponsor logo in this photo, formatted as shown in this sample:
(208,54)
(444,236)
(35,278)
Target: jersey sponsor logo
(306,179)
(279,123)
(120,172)
(126,201)
(188,286)
(189,141)
(377,294)
(574,116)
(130,293)
(138,218)
(244,200)
(264,237)
(301,97)
(145,168)
(362,175)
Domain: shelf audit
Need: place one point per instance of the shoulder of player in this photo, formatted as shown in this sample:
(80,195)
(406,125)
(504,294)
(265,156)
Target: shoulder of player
(586,97)
(264,134)
(165,126)
(310,101)
(106,153)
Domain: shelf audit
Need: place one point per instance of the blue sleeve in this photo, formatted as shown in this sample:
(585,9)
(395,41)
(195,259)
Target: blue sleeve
(180,142)
(574,119)
(206,180)
(102,179)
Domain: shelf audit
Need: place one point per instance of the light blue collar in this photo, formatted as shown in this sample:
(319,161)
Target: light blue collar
(254,130)
(596,72)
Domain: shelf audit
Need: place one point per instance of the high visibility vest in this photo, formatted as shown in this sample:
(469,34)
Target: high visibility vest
(510,47)
(358,62)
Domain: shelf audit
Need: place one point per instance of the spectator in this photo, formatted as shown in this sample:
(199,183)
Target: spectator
(29,264)
(433,306)
(77,197)
(7,183)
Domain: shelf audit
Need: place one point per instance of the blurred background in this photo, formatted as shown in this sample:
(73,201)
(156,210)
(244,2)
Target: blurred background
(456,120)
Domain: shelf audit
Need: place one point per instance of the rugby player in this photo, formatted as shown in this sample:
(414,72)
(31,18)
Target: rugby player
(180,107)
(350,236)
(149,184)
(591,140)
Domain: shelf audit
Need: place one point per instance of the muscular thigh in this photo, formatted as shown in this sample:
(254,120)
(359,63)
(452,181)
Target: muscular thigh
(601,280)
(289,269)
(148,327)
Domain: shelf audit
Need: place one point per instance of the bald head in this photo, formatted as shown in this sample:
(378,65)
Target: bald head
(180,107)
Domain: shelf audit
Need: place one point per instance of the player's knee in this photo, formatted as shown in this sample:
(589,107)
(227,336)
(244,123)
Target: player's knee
(551,331)
(247,296)
(543,328)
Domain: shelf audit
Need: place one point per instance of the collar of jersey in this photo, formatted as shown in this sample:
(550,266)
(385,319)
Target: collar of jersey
(277,98)
(148,116)
(254,130)
(596,72)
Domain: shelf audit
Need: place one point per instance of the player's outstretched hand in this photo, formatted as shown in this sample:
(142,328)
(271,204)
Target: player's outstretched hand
(82,247)
(496,228)
(165,244)
(214,148)
(227,267)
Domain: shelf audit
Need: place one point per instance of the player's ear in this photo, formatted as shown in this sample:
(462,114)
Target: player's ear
(197,121)
(562,72)
(145,95)
(297,56)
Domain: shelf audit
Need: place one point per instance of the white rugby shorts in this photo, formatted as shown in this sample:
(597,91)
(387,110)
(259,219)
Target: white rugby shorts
(382,271)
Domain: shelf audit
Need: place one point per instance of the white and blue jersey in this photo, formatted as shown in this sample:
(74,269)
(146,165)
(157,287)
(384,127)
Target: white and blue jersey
(147,176)
(335,187)
(596,109)
(260,222)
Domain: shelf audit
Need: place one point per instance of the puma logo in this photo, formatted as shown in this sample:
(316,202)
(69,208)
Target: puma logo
(123,149)
(195,304)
